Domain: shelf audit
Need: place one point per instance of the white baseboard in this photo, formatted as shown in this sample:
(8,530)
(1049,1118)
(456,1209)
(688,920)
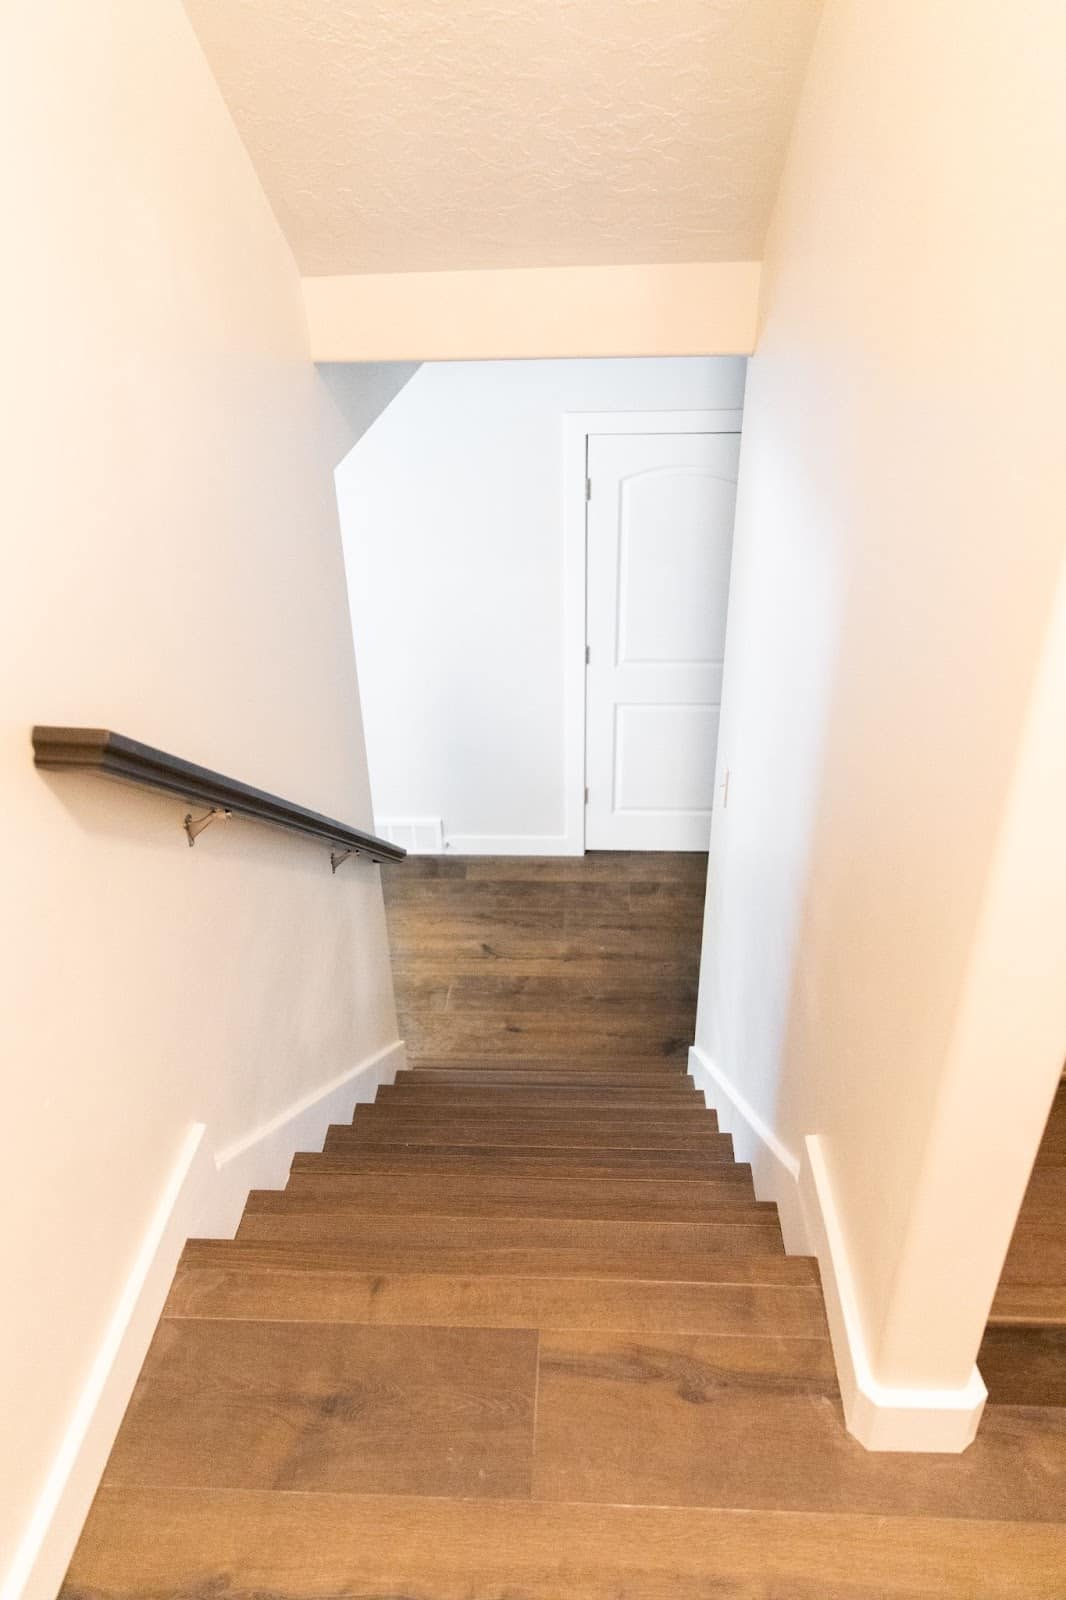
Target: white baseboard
(774,1168)
(260,1159)
(203,1193)
(419,836)
(881,1416)
(47,1544)
(512,844)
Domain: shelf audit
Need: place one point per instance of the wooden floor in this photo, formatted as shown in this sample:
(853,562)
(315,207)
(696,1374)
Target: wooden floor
(522,1331)
(1023,1356)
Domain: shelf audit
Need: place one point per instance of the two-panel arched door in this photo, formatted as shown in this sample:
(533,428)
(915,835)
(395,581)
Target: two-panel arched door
(659,543)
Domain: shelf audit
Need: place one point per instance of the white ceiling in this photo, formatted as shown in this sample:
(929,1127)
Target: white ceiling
(420,135)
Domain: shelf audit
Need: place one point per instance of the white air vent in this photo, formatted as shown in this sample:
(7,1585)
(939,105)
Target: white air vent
(422,836)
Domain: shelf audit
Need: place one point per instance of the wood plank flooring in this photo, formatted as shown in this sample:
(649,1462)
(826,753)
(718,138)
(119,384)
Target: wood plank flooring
(522,1330)
(1023,1354)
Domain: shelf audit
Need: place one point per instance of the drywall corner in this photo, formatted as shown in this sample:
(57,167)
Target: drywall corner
(881,1417)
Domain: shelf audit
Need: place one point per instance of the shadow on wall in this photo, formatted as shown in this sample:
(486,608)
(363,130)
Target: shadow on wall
(361,391)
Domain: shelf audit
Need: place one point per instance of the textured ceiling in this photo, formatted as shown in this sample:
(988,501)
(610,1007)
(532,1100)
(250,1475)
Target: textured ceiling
(422,135)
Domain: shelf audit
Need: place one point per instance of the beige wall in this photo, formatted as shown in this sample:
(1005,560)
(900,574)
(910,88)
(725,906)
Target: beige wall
(693,308)
(172,569)
(899,534)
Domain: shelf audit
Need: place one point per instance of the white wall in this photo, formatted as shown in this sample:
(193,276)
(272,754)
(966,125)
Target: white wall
(899,532)
(362,390)
(452,514)
(172,569)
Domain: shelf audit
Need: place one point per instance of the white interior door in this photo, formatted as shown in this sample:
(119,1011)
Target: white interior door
(660,534)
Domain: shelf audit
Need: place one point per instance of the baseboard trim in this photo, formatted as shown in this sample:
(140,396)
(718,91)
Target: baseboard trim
(260,1159)
(880,1416)
(419,836)
(774,1168)
(203,1193)
(44,1552)
(512,844)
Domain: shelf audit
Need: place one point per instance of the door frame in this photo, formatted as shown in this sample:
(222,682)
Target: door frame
(578,426)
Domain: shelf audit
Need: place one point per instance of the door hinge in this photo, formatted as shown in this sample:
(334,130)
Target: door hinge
(588,654)
(586,795)
(588,488)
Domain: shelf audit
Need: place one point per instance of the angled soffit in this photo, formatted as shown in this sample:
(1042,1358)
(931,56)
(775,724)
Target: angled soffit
(436,135)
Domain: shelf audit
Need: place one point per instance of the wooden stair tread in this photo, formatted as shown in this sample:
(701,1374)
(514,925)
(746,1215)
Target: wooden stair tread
(500,1105)
(758,1236)
(1029,1304)
(532,1101)
(658,1074)
(588,1071)
(448,1300)
(636,1085)
(1024,1364)
(567,1416)
(342,1406)
(172,1543)
(737,1230)
(712,1160)
(649,1199)
(683,1419)
(604,1062)
(527,1078)
(637,1134)
(515,1161)
(502,1098)
(492,1252)
(530,1104)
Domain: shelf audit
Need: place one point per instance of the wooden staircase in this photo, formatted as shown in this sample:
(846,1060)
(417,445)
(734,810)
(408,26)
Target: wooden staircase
(522,1330)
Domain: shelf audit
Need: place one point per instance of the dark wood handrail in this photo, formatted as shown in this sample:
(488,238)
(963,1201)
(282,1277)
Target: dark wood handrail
(112,755)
